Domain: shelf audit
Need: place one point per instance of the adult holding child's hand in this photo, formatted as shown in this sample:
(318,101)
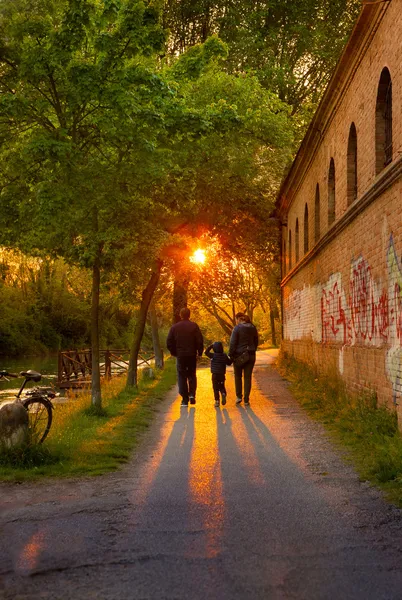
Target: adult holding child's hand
(242,348)
(185,342)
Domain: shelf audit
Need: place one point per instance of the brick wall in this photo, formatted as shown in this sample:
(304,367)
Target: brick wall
(342,302)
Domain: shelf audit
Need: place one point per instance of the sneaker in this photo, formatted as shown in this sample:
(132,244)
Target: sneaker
(192,399)
(223,399)
(239,400)
(247,403)
(217,403)
(184,403)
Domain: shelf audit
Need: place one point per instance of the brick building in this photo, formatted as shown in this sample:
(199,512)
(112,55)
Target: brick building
(341,213)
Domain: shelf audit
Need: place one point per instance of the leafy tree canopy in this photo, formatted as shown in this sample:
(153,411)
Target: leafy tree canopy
(291,46)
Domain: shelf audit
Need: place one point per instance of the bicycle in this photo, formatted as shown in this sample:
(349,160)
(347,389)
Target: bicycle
(37,402)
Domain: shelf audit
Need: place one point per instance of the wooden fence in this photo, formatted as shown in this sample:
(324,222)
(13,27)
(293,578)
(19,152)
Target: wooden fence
(75,366)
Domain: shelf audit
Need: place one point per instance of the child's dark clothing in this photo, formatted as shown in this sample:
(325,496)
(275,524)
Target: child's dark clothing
(219,360)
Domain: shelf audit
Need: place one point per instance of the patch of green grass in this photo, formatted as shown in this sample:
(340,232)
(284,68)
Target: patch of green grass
(368,431)
(26,457)
(85,442)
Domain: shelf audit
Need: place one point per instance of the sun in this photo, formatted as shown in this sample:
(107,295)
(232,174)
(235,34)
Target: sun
(198,257)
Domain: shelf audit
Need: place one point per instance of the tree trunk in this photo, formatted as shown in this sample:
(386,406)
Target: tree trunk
(155,336)
(272,313)
(180,295)
(96,398)
(226,327)
(147,295)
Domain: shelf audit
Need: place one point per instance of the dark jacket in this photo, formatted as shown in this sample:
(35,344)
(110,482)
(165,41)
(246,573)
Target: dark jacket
(244,337)
(185,339)
(219,359)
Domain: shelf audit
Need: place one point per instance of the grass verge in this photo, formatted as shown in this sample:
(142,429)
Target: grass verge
(83,443)
(368,431)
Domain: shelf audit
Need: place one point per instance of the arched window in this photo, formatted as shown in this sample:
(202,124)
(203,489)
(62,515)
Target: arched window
(352,165)
(317,214)
(290,249)
(331,192)
(383,122)
(297,241)
(306,229)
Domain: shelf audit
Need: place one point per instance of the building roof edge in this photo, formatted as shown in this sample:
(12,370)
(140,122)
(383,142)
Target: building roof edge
(365,27)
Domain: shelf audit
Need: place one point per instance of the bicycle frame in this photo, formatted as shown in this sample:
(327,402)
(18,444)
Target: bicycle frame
(22,387)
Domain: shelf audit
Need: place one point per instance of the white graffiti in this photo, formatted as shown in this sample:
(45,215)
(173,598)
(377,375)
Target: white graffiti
(302,317)
(393,359)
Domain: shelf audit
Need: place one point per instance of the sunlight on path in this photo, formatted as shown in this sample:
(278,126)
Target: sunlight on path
(30,554)
(198,451)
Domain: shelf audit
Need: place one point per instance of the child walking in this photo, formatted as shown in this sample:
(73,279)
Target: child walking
(219,360)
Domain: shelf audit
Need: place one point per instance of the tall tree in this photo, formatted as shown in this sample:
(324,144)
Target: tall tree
(79,124)
(156,343)
(291,46)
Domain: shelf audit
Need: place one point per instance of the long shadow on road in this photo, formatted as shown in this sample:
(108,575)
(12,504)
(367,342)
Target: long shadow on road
(216,508)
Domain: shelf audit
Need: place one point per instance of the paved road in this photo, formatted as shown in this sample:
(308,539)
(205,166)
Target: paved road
(235,503)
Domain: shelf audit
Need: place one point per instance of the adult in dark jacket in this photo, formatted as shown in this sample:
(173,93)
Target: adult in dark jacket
(185,341)
(244,337)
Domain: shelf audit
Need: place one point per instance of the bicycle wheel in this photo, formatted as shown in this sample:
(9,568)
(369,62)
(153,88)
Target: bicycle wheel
(40,418)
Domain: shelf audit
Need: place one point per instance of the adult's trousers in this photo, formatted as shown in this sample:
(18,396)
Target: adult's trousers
(186,376)
(243,377)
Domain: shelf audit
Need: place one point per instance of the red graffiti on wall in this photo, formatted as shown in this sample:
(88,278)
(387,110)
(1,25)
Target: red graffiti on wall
(362,310)
(382,316)
(363,317)
(333,316)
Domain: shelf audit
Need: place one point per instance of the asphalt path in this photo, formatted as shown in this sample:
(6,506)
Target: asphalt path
(231,503)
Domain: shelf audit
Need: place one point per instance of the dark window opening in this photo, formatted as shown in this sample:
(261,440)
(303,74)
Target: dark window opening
(306,229)
(352,165)
(331,192)
(317,214)
(383,122)
(290,250)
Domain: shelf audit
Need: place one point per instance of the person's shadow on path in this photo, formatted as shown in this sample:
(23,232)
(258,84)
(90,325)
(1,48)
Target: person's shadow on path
(174,464)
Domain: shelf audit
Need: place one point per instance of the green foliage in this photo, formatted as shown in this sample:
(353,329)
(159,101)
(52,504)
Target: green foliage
(368,431)
(99,139)
(231,152)
(77,95)
(291,46)
(16,324)
(46,307)
(200,59)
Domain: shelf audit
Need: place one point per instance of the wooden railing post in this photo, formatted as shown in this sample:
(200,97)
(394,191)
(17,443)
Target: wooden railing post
(59,368)
(74,366)
(108,365)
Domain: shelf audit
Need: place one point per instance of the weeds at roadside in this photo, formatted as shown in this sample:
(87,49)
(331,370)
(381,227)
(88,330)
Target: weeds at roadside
(27,457)
(368,431)
(93,411)
(85,442)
